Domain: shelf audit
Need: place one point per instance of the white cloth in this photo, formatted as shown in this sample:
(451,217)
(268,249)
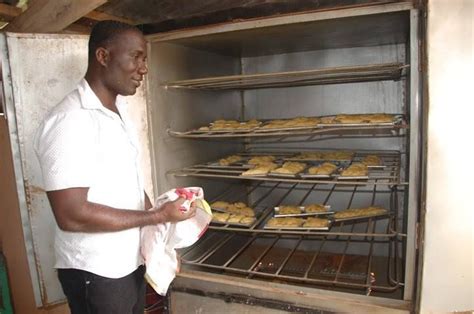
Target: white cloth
(83,144)
(159,242)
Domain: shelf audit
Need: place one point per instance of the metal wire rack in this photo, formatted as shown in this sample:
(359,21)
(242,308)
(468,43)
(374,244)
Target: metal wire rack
(300,258)
(335,75)
(361,254)
(389,174)
(269,194)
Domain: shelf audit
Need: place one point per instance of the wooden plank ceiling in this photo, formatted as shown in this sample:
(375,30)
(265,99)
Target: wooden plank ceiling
(152,15)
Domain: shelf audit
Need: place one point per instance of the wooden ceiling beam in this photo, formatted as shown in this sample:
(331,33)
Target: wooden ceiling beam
(102,16)
(8,12)
(45,16)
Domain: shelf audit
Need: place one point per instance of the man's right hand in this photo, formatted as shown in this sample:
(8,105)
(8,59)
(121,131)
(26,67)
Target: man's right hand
(171,212)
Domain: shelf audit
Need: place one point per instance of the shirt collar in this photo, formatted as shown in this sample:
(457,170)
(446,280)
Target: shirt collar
(89,99)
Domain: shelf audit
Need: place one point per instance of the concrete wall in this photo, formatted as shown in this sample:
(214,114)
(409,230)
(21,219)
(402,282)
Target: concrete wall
(448,264)
(11,237)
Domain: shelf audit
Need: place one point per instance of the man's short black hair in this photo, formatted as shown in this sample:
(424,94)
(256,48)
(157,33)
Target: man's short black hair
(104,32)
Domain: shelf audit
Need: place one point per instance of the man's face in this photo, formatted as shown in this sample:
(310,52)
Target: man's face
(126,64)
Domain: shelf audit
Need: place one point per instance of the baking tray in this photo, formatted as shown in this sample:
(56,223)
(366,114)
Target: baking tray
(303,213)
(296,128)
(339,177)
(387,213)
(284,175)
(396,120)
(299,228)
(339,164)
(233,130)
(235,165)
(253,175)
(315,176)
(234,223)
(257,210)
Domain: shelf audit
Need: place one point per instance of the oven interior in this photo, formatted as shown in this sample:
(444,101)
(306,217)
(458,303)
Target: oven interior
(352,64)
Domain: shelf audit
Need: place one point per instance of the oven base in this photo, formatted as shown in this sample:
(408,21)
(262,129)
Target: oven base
(199,292)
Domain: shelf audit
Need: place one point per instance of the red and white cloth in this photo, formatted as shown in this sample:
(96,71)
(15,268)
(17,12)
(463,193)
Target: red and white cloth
(159,242)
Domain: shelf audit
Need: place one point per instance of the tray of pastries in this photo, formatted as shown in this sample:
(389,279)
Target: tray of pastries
(323,170)
(232,219)
(354,171)
(289,124)
(340,156)
(359,213)
(297,223)
(260,159)
(222,125)
(261,169)
(289,169)
(360,119)
(301,211)
(233,208)
(231,161)
(373,161)
(237,213)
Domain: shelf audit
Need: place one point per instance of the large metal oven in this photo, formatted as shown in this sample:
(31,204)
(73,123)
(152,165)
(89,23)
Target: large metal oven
(358,60)
(351,60)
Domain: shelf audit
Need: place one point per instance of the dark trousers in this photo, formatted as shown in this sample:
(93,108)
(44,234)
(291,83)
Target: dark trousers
(88,293)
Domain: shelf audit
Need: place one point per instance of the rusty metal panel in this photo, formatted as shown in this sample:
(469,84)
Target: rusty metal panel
(43,68)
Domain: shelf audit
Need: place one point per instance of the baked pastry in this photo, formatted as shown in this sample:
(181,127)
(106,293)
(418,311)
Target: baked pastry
(324,169)
(351,118)
(290,167)
(309,156)
(256,160)
(371,160)
(285,222)
(229,160)
(313,222)
(355,170)
(235,218)
(224,124)
(274,124)
(241,219)
(288,210)
(233,124)
(338,155)
(247,220)
(220,204)
(327,119)
(260,169)
(222,121)
(220,217)
(245,211)
(315,208)
(380,118)
(302,122)
(292,123)
(360,212)
(240,204)
(248,125)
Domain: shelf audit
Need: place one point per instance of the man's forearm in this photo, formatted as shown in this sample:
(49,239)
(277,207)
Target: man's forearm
(101,218)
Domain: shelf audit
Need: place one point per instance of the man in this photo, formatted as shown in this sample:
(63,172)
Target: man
(88,153)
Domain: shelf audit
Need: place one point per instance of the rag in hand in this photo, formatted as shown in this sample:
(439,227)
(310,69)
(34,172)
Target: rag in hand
(159,242)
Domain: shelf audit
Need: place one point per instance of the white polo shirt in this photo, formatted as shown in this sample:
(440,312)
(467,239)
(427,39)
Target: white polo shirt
(83,144)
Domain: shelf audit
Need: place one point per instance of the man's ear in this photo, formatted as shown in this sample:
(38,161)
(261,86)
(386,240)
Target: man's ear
(102,56)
